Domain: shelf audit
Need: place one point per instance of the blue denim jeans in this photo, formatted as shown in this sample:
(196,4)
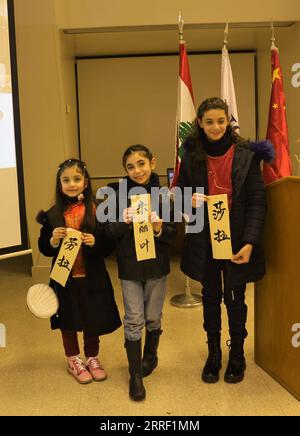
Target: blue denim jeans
(143,302)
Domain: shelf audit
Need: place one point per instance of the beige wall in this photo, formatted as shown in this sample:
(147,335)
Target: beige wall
(139,105)
(46,61)
(46,82)
(97,13)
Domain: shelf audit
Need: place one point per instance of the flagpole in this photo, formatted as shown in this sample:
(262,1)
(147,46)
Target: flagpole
(186,300)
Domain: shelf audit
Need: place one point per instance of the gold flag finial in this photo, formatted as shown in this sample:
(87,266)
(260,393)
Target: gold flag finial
(180,26)
(273,46)
(225,41)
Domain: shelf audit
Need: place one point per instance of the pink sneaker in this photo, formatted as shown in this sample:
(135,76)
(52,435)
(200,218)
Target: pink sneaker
(78,370)
(95,369)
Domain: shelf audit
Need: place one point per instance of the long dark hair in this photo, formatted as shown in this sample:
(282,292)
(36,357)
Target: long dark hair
(62,201)
(198,133)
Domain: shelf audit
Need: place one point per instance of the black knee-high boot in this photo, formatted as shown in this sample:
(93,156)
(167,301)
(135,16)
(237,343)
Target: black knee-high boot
(134,355)
(150,359)
(210,373)
(236,364)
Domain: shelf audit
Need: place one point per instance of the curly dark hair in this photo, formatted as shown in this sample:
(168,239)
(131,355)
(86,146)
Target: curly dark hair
(197,131)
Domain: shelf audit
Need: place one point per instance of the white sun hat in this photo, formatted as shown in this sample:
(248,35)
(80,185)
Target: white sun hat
(42,300)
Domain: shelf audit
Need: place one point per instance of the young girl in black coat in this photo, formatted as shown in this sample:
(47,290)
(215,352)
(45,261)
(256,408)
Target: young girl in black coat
(219,160)
(144,283)
(86,303)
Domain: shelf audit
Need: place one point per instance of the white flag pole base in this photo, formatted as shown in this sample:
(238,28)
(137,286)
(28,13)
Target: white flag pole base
(186,300)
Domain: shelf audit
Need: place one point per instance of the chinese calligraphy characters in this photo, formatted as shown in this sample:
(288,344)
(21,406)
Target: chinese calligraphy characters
(143,231)
(66,256)
(218,213)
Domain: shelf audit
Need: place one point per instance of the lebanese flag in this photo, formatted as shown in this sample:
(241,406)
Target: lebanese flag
(227,88)
(186,113)
(277,131)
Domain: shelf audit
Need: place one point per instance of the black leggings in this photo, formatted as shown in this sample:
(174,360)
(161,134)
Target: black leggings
(234,299)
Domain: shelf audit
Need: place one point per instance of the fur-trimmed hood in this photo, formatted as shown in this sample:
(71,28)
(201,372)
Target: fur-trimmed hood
(49,216)
(41,217)
(264,150)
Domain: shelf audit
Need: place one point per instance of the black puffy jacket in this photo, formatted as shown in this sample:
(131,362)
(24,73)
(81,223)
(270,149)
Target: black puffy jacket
(101,311)
(247,213)
(128,266)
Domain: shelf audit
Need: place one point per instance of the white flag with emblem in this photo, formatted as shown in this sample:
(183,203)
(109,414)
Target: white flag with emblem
(227,88)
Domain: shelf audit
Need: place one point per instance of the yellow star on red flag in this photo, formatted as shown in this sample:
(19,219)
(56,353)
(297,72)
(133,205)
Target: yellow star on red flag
(275,106)
(276,74)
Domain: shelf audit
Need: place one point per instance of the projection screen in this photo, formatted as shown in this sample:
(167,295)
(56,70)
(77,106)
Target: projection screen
(12,215)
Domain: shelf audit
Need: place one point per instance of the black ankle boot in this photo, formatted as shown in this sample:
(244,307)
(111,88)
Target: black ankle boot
(236,364)
(150,359)
(210,373)
(134,354)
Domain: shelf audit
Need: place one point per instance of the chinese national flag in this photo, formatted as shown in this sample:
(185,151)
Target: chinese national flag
(277,131)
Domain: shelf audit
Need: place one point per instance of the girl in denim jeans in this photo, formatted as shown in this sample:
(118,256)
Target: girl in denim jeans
(143,282)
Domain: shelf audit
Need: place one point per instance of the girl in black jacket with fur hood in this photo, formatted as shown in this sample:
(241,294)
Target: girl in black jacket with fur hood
(219,160)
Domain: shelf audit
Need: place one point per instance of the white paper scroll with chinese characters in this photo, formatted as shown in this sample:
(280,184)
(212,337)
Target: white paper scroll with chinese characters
(66,256)
(219,224)
(142,227)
